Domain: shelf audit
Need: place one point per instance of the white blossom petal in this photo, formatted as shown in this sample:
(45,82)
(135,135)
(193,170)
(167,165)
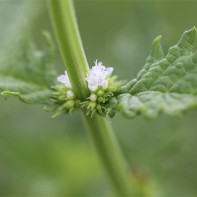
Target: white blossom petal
(61,79)
(65,80)
(92,88)
(100,82)
(97,76)
(109,70)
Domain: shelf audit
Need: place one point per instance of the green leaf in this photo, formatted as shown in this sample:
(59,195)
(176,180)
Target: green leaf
(27,72)
(166,84)
(155,55)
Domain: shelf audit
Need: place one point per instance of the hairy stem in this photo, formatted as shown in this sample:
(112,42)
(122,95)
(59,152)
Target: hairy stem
(77,67)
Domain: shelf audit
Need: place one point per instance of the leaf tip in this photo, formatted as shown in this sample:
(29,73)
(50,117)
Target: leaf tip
(194,31)
(157,39)
(188,36)
(156,51)
(194,28)
(156,42)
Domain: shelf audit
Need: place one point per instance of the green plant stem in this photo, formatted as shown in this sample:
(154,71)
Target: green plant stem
(70,45)
(109,152)
(77,67)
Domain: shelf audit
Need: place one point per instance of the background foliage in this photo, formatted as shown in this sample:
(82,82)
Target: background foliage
(40,156)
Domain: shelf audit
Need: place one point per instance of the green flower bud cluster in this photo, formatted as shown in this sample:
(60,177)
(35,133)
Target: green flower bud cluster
(100,101)
(66,100)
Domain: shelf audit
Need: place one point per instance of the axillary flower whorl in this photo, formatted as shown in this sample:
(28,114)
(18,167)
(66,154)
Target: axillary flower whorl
(64,96)
(101,85)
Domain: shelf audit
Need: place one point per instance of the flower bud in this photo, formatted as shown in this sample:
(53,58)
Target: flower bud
(70,103)
(70,94)
(93,97)
(92,105)
(101,99)
(100,93)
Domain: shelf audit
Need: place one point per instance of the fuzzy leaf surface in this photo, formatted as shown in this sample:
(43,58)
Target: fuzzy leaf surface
(28,73)
(165,84)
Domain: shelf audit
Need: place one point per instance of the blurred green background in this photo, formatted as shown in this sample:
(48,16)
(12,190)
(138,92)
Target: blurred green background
(44,157)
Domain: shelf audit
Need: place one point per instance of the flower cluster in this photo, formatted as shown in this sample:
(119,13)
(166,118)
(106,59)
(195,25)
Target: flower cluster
(98,76)
(64,96)
(101,85)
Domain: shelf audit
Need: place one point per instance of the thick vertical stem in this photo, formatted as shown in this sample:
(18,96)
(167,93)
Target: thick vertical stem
(108,150)
(70,44)
(99,129)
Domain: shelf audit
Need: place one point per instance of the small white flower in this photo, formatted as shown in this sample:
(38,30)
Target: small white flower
(97,76)
(70,94)
(65,80)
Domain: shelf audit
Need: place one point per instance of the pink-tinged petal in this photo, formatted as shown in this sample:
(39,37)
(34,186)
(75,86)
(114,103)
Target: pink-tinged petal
(61,79)
(100,82)
(104,74)
(95,69)
(68,84)
(100,64)
(109,70)
(105,84)
(97,76)
(102,68)
(65,80)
